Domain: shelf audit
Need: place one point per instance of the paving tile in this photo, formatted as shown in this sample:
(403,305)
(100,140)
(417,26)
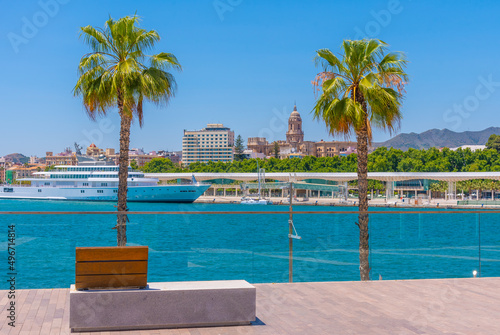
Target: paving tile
(438,306)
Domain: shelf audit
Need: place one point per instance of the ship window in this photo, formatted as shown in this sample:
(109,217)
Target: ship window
(104,184)
(8,189)
(85,184)
(46,184)
(39,190)
(100,191)
(82,191)
(115,191)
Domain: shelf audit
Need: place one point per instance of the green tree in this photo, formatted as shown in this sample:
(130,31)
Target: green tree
(465,185)
(276,150)
(239,148)
(493,142)
(118,72)
(360,90)
(159,165)
(439,187)
(133,165)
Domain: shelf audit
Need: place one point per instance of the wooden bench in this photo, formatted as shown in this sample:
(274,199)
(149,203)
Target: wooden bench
(111,267)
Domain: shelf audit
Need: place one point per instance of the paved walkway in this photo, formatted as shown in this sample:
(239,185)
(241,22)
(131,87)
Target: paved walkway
(439,306)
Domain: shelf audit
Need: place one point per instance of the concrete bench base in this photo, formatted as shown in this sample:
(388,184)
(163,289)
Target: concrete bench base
(163,305)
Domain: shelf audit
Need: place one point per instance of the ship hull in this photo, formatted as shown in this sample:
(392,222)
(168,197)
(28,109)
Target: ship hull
(157,193)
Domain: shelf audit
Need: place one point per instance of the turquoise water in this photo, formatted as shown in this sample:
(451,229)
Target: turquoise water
(251,247)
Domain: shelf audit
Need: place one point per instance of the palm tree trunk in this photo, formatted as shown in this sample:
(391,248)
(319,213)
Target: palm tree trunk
(364,250)
(121,223)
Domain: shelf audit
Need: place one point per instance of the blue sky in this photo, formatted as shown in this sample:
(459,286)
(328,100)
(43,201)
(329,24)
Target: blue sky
(244,64)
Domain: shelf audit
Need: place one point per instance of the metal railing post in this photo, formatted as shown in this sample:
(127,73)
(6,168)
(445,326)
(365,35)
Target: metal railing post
(479,242)
(290,239)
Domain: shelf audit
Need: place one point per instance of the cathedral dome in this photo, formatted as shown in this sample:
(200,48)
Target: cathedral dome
(295,113)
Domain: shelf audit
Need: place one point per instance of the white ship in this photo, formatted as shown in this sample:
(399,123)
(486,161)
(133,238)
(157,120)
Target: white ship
(92,182)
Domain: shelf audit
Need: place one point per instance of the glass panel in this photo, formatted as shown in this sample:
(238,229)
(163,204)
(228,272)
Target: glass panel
(418,246)
(490,244)
(255,247)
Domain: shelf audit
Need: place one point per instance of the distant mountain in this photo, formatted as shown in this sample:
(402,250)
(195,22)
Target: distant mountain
(17,158)
(438,138)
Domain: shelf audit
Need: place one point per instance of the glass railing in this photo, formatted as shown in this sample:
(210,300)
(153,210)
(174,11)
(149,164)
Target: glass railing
(221,242)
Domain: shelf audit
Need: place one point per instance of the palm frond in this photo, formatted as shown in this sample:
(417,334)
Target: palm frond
(117,71)
(362,89)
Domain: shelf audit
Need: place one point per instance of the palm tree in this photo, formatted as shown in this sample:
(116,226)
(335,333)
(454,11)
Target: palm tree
(361,89)
(482,185)
(439,187)
(118,73)
(493,186)
(464,185)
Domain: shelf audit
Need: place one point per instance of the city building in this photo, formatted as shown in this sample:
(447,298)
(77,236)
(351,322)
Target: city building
(134,154)
(471,147)
(94,152)
(17,172)
(174,156)
(249,154)
(213,143)
(3,168)
(294,146)
(65,158)
(109,152)
(34,160)
(97,153)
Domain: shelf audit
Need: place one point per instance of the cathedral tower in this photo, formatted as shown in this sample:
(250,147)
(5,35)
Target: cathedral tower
(294,135)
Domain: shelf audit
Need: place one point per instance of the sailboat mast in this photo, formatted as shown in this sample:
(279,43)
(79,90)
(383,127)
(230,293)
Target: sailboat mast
(258,176)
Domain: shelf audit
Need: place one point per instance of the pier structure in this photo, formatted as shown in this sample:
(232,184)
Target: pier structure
(330,184)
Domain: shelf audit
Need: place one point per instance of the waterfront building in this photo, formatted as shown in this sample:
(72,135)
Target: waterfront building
(4,164)
(9,176)
(295,146)
(22,171)
(213,143)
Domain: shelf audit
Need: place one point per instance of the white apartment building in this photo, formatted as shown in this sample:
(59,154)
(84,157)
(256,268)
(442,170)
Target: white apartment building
(213,143)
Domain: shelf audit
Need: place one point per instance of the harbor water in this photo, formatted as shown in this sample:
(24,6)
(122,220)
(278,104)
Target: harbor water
(254,247)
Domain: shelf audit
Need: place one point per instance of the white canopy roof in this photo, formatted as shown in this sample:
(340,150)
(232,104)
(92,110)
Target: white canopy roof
(334,176)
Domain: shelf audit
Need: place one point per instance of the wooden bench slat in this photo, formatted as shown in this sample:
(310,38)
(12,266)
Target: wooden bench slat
(111,267)
(112,254)
(121,267)
(109,281)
